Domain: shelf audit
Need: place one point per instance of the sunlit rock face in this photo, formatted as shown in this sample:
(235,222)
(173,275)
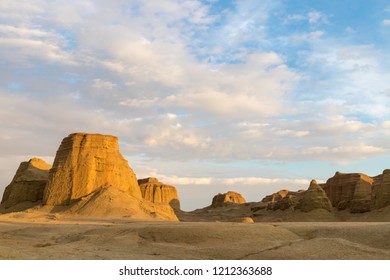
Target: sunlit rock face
(85,163)
(229,197)
(158,192)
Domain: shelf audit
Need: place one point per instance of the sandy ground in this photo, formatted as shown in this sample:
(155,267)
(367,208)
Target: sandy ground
(53,237)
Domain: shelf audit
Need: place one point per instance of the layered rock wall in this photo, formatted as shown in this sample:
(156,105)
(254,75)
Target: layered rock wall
(352,190)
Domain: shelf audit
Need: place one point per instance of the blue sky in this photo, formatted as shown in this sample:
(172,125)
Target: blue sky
(209,96)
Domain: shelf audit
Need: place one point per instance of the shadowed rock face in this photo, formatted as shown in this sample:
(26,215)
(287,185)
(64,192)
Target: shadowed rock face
(157,192)
(83,164)
(28,183)
(381,190)
(314,198)
(222,198)
(351,190)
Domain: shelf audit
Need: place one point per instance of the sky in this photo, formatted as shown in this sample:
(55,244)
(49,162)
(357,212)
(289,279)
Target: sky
(209,96)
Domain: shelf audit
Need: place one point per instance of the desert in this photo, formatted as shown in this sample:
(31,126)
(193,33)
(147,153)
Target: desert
(90,205)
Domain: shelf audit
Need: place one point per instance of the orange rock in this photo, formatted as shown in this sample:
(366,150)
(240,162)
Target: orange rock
(83,164)
(157,192)
(232,197)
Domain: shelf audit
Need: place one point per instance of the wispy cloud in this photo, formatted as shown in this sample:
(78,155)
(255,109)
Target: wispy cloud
(386,22)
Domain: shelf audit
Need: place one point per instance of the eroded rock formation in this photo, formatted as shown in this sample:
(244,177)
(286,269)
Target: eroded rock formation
(229,197)
(85,163)
(283,199)
(381,190)
(158,192)
(28,183)
(314,198)
(352,190)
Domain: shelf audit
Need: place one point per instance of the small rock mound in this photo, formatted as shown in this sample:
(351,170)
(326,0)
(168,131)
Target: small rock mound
(314,198)
(230,197)
(158,192)
(28,183)
(246,220)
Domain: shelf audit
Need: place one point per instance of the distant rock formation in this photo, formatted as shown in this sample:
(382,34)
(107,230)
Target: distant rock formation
(381,190)
(28,183)
(314,198)
(350,190)
(85,163)
(283,199)
(229,197)
(275,197)
(157,192)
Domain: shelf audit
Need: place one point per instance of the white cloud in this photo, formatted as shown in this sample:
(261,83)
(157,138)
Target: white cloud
(308,36)
(103,85)
(265,181)
(386,22)
(177,81)
(315,17)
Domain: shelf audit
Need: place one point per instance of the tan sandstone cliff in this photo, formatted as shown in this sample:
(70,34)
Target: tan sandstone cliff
(28,183)
(85,163)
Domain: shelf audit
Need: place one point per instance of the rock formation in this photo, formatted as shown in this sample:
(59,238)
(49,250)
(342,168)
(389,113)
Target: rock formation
(283,199)
(351,190)
(314,198)
(157,192)
(275,196)
(85,163)
(229,197)
(381,190)
(112,202)
(28,183)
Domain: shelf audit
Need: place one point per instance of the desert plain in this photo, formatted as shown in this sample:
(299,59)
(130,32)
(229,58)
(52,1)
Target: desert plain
(50,236)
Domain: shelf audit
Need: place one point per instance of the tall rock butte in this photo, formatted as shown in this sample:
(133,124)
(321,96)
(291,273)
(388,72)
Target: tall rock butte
(83,164)
(28,183)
